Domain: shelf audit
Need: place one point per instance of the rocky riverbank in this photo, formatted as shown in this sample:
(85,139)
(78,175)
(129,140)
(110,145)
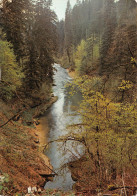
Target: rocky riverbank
(72,74)
(22,161)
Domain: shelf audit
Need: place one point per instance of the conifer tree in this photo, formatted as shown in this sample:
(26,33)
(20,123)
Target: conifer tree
(14,18)
(107,38)
(68,31)
(31,28)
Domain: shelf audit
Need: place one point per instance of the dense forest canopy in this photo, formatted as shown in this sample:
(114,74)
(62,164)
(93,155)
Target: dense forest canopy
(100,24)
(30,27)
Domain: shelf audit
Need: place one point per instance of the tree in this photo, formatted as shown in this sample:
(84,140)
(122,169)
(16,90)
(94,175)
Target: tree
(107,38)
(107,132)
(68,31)
(121,59)
(11,74)
(31,28)
(82,22)
(61,36)
(124,10)
(80,58)
(42,46)
(123,49)
(14,19)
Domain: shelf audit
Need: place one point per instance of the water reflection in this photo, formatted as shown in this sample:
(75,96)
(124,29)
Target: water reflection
(58,118)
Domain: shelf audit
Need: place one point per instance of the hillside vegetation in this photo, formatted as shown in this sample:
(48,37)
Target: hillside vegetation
(98,42)
(27,47)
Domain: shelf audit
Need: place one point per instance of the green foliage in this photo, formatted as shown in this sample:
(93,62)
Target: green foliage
(68,62)
(3,183)
(109,129)
(64,61)
(82,22)
(31,28)
(11,73)
(86,56)
(125,85)
(80,58)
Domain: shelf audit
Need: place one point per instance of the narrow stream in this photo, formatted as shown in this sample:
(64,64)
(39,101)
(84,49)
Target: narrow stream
(59,117)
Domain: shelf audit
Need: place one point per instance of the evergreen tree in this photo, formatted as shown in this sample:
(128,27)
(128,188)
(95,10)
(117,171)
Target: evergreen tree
(107,38)
(42,46)
(31,27)
(61,36)
(14,17)
(80,58)
(68,31)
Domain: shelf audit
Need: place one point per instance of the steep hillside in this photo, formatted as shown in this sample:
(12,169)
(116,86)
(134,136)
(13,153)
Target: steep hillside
(22,162)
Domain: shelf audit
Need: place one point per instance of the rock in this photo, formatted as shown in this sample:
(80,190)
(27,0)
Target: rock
(29,189)
(16,118)
(47,175)
(29,123)
(74,178)
(2,178)
(50,179)
(30,194)
(39,190)
(34,189)
(36,140)
(99,194)
(36,122)
(36,134)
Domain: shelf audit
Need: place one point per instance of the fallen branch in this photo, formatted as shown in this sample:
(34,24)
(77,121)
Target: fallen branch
(12,118)
(65,140)
(50,169)
(123,187)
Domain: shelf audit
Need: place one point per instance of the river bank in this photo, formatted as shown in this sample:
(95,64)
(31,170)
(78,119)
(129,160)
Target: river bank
(23,163)
(72,74)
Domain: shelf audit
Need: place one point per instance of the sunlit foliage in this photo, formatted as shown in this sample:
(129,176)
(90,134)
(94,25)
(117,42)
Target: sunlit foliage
(108,130)
(11,73)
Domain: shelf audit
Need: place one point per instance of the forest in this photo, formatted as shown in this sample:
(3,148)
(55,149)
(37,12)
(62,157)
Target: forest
(97,44)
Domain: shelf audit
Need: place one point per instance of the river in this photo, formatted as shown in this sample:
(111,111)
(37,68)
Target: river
(59,116)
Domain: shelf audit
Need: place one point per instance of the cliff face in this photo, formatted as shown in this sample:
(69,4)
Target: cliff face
(21,159)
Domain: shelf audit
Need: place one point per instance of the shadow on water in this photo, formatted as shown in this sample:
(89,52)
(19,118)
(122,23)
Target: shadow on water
(59,117)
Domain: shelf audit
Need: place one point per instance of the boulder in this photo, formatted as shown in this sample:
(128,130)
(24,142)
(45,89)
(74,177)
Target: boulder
(2,178)
(36,140)
(29,190)
(37,122)
(34,189)
(39,190)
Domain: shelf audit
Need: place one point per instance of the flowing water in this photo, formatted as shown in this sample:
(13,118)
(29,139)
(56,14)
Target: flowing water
(59,117)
